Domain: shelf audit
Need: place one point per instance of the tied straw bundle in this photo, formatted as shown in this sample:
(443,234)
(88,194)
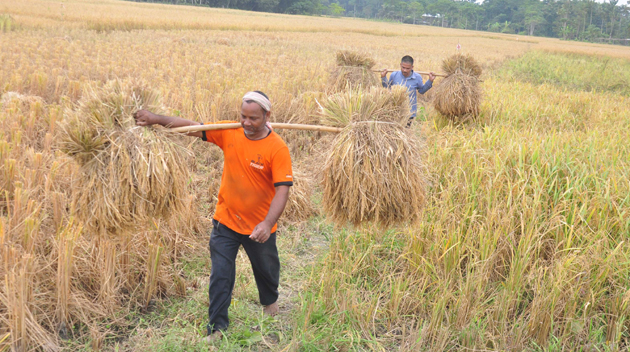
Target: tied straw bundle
(128,175)
(458,97)
(353,69)
(299,206)
(374,171)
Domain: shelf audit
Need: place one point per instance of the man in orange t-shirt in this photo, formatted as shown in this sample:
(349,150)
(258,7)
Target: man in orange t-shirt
(254,190)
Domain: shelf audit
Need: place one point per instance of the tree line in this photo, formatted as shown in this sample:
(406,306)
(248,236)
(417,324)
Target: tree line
(585,20)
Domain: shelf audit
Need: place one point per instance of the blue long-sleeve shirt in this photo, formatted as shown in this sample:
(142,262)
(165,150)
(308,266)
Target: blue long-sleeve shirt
(413,84)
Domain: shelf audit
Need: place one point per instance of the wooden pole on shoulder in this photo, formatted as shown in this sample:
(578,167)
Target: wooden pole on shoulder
(274,125)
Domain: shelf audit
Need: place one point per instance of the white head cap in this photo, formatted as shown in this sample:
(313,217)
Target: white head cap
(259,99)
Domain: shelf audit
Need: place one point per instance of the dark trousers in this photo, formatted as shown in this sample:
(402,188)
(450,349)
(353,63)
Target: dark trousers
(224,245)
(410,121)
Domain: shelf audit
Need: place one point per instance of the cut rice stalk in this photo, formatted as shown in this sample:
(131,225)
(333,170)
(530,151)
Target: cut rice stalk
(353,70)
(374,174)
(128,175)
(300,206)
(374,171)
(458,96)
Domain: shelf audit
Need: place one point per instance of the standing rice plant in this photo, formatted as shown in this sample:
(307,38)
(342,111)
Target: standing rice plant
(128,174)
(58,208)
(156,248)
(374,170)
(29,115)
(66,243)
(7,23)
(17,297)
(108,282)
(353,69)
(296,109)
(18,313)
(96,337)
(8,174)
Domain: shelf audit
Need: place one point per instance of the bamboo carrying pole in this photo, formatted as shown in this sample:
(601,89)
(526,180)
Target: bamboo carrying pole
(419,72)
(227,126)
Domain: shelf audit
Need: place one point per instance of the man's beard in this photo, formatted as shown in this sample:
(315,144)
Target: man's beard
(251,131)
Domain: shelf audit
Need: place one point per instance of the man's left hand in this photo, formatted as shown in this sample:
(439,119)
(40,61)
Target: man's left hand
(261,232)
(431,76)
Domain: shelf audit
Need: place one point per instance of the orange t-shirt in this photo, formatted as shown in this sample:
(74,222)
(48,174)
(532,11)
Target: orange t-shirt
(251,171)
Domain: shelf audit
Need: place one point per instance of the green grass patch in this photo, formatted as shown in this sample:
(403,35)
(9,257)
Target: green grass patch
(523,236)
(571,71)
(179,323)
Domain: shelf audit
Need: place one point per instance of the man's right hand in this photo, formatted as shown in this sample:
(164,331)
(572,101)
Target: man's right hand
(145,118)
(384,73)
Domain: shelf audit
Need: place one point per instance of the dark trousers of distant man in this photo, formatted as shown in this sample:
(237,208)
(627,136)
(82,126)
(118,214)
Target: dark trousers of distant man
(224,245)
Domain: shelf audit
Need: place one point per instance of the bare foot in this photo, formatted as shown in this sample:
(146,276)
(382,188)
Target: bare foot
(272,309)
(215,336)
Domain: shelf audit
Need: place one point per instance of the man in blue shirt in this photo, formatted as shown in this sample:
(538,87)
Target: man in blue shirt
(413,81)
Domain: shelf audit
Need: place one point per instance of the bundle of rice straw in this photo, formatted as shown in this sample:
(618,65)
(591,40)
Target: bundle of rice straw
(458,96)
(374,170)
(353,69)
(299,207)
(460,63)
(129,175)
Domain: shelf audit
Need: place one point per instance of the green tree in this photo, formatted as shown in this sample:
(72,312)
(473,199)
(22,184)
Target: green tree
(563,25)
(265,5)
(592,32)
(611,12)
(416,9)
(336,9)
(624,22)
(353,4)
(478,15)
(494,27)
(442,8)
(567,19)
(466,13)
(533,17)
(391,9)
(304,7)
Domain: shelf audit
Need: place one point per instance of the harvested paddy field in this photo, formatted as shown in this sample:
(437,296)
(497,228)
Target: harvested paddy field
(519,241)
